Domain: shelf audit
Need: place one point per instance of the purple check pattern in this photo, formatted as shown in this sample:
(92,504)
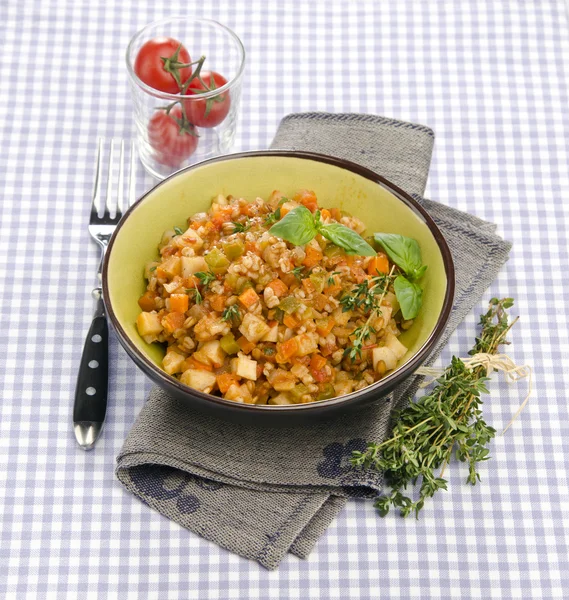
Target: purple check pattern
(491,78)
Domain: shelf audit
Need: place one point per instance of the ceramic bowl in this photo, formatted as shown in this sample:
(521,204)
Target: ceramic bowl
(363,193)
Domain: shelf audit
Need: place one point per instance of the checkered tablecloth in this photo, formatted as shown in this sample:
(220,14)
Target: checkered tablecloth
(491,78)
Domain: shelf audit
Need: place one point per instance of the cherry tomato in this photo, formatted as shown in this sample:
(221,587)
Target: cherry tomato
(172,140)
(155,72)
(211,111)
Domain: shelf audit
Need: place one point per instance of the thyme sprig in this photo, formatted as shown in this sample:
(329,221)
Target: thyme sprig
(447,420)
(231,313)
(367,299)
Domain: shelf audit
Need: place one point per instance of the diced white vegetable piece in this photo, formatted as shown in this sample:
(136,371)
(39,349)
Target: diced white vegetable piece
(193,264)
(386,355)
(392,299)
(340,317)
(199,380)
(272,335)
(171,266)
(172,362)
(395,346)
(220,200)
(382,319)
(282,398)
(148,323)
(253,328)
(307,343)
(247,368)
(211,353)
(238,393)
(190,239)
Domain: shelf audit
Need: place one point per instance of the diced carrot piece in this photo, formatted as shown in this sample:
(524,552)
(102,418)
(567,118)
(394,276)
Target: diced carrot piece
(378,263)
(147,301)
(191,282)
(192,363)
(253,247)
(332,290)
(317,361)
(308,285)
(288,279)
(173,321)
(324,326)
(179,303)
(260,368)
(286,350)
(313,257)
(326,214)
(290,321)
(307,198)
(248,297)
(336,214)
(218,302)
(279,287)
(223,215)
(225,381)
(320,301)
(245,345)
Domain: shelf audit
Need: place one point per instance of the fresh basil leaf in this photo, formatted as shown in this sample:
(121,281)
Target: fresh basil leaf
(297,226)
(347,238)
(405,252)
(409,295)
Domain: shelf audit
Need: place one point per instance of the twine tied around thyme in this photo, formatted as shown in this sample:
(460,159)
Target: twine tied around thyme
(491,362)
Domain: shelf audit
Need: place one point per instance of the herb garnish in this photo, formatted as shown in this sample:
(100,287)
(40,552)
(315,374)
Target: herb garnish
(406,254)
(205,277)
(241,227)
(363,297)
(177,230)
(298,272)
(276,215)
(331,280)
(300,226)
(446,420)
(198,298)
(231,313)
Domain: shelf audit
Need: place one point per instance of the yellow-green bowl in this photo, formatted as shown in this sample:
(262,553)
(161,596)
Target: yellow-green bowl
(363,193)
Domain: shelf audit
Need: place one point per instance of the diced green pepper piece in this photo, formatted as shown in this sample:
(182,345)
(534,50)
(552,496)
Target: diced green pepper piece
(217,261)
(279,315)
(243,285)
(326,391)
(318,280)
(333,251)
(228,344)
(289,304)
(233,249)
(298,391)
(231,280)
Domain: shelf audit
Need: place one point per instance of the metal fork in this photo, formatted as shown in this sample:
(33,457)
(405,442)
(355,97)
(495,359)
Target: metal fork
(90,405)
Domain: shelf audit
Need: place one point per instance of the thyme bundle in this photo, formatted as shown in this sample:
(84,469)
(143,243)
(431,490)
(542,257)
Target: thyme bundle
(446,421)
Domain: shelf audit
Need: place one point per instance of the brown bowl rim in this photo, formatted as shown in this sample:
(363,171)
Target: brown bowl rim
(378,388)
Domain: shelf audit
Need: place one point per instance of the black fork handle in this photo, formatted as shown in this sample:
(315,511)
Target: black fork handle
(90,406)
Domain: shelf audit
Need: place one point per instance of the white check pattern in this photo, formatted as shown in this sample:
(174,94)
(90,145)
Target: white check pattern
(491,78)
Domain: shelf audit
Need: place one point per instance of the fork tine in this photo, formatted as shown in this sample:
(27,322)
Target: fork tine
(108,201)
(96,205)
(120,195)
(132,179)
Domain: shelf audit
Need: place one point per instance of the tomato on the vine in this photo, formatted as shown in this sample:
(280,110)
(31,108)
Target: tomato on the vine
(208,112)
(172,137)
(160,64)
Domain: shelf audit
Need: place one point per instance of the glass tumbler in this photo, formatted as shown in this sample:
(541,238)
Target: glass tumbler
(176,130)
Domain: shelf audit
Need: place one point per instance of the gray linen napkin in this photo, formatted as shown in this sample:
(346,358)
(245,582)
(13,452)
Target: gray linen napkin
(263,492)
